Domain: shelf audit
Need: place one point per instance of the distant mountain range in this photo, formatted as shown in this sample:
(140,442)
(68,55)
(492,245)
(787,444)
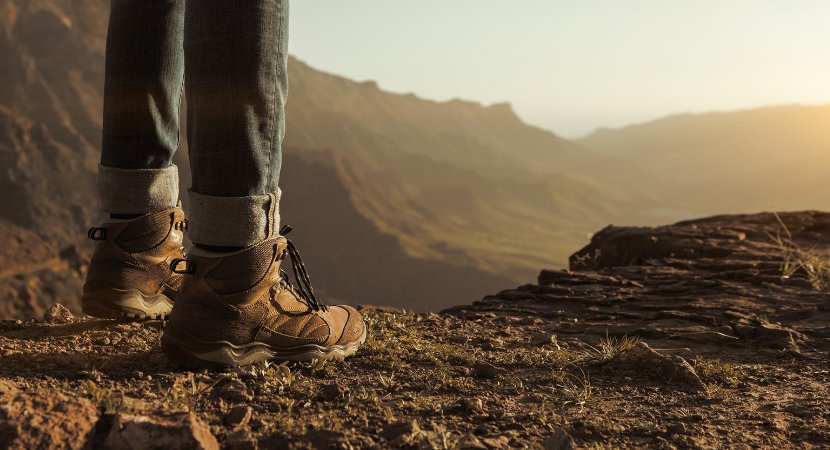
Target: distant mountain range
(396,199)
(772,158)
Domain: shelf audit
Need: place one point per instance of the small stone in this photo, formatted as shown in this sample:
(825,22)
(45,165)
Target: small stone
(331,391)
(326,439)
(545,338)
(483,369)
(498,442)
(133,404)
(470,441)
(528,321)
(458,339)
(241,439)
(179,430)
(676,428)
(402,434)
(559,440)
(472,404)
(238,416)
(492,344)
(235,391)
(58,314)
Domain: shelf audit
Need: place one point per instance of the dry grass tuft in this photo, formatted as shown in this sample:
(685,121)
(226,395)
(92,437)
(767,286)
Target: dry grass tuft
(609,348)
(809,263)
(717,371)
(108,401)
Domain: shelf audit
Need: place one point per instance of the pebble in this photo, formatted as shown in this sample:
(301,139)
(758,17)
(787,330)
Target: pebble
(497,442)
(545,338)
(458,339)
(492,344)
(235,391)
(331,391)
(676,428)
(559,440)
(483,369)
(58,314)
(402,434)
(179,430)
(239,416)
(528,321)
(470,441)
(472,404)
(241,439)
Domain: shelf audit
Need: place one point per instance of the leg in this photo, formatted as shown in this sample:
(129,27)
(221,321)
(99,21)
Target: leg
(234,307)
(236,86)
(130,273)
(144,74)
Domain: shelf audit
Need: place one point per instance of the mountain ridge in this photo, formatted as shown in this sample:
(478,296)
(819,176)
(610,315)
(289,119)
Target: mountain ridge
(767,158)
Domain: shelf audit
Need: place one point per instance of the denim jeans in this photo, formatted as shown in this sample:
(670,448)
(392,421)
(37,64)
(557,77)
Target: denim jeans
(230,57)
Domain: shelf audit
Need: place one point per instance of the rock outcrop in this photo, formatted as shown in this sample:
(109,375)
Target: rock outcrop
(716,283)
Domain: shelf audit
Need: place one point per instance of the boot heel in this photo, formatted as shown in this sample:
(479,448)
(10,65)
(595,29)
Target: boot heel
(125,304)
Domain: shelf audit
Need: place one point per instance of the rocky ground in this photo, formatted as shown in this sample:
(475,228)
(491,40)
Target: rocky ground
(706,334)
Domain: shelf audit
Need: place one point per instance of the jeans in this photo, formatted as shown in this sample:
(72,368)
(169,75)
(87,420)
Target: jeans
(230,58)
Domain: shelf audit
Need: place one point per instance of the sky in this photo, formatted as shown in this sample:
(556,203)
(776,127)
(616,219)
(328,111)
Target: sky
(573,66)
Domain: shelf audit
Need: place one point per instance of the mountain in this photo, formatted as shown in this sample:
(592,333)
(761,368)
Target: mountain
(750,160)
(436,202)
(458,181)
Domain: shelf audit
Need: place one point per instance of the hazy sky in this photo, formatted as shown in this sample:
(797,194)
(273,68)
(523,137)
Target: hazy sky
(572,66)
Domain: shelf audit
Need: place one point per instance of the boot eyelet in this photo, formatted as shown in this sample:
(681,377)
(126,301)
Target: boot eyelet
(97,233)
(189,266)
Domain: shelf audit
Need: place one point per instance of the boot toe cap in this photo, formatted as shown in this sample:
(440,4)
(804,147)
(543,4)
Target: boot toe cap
(354,327)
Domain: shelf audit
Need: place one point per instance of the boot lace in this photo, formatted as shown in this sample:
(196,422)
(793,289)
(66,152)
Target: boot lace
(303,288)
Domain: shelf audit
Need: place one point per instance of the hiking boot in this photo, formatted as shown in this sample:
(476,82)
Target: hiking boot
(130,273)
(238,308)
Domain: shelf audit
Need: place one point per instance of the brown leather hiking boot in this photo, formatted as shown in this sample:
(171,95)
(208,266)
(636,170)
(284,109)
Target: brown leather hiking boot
(130,273)
(237,309)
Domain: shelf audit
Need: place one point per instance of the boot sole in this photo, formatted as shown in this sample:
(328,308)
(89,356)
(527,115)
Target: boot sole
(223,353)
(126,304)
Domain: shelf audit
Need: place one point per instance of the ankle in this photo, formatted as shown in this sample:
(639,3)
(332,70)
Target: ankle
(218,248)
(125,216)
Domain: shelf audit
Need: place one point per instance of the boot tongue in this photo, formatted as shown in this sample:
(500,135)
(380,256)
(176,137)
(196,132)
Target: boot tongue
(240,270)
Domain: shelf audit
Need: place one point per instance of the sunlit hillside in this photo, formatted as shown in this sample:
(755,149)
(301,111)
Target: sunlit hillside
(770,158)
(459,181)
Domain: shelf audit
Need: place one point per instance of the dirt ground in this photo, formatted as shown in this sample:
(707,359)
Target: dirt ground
(676,337)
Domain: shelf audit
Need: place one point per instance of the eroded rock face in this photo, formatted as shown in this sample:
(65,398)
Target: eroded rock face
(736,246)
(716,282)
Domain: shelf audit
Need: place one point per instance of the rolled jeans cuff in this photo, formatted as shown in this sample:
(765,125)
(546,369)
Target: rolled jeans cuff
(137,191)
(233,221)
